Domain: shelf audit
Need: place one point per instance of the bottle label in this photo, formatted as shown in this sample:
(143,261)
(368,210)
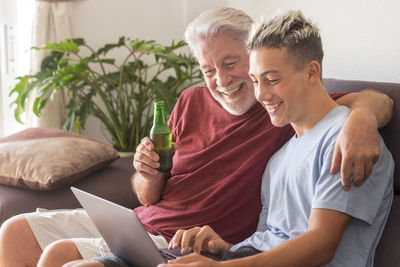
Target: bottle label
(162,146)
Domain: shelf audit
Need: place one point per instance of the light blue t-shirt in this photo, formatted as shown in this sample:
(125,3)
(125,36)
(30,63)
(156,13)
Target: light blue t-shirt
(297,180)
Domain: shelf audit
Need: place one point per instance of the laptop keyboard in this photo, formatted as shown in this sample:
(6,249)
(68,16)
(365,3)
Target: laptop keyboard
(167,256)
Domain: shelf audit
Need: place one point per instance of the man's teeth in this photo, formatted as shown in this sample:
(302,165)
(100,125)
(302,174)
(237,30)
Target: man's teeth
(232,91)
(272,106)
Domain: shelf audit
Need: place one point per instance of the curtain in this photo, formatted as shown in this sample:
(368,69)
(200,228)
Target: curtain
(52,23)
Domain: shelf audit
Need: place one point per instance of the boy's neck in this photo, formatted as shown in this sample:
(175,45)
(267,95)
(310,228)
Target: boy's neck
(317,105)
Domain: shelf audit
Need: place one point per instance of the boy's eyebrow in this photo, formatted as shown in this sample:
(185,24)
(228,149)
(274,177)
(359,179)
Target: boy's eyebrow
(269,71)
(265,72)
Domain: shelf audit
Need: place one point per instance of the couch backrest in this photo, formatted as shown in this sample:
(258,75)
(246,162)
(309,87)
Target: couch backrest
(391,131)
(387,254)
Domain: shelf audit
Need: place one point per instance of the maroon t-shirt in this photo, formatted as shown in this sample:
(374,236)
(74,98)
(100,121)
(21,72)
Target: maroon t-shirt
(217,168)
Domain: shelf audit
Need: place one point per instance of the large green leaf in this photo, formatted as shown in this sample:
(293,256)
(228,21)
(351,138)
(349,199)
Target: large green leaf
(68,46)
(120,95)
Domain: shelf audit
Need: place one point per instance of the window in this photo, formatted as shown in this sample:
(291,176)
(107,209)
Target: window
(15,42)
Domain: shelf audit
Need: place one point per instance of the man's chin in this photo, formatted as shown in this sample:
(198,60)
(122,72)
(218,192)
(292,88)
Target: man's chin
(236,110)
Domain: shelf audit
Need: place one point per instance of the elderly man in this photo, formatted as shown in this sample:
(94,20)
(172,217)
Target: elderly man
(224,139)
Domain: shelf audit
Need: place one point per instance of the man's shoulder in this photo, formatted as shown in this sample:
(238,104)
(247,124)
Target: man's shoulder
(191,99)
(194,91)
(197,95)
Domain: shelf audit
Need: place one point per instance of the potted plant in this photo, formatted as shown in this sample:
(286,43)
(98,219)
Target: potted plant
(119,95)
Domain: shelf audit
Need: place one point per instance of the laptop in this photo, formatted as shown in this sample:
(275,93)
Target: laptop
(123,232)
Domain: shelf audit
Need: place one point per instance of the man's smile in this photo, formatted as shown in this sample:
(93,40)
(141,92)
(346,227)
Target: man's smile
(232,91)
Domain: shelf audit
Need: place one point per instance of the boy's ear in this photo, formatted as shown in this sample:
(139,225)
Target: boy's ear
(314,69)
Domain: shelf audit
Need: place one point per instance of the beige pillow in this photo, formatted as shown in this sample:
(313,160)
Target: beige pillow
(45,159)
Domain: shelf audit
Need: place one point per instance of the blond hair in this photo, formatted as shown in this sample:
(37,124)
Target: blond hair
(292,31)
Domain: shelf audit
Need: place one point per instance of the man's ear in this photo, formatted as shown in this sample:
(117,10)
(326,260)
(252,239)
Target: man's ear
(314,70)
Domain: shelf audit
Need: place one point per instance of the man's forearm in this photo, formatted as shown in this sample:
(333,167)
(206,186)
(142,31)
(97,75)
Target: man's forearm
(378,105)
(148,192)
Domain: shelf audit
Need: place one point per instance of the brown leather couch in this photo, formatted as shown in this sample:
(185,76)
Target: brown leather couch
(113,182)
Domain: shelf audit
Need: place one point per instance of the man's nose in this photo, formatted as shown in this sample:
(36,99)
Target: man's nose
(224,78)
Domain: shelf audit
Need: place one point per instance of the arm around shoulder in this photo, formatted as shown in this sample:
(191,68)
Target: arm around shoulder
(357,146)
(377,105)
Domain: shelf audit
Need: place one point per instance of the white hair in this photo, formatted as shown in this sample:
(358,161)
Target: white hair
(217,21)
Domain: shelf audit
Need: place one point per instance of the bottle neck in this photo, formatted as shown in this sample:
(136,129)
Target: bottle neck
(159,115)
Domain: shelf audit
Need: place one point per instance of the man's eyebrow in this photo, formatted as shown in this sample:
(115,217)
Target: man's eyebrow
(204,66)
(227,57)
(230,56)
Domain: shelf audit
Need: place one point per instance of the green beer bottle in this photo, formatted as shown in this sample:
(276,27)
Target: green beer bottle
(160,135)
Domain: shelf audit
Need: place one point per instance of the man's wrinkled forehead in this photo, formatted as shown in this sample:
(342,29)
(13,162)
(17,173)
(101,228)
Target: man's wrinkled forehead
(228,38)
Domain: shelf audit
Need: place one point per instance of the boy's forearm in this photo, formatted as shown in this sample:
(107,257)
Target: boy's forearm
(313,248)
(301,251)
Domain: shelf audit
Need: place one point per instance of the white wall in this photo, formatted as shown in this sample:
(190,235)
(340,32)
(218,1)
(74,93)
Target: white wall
(361,38)
(100,21)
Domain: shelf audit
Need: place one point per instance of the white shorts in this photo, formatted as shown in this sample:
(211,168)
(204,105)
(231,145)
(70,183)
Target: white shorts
(49,226)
